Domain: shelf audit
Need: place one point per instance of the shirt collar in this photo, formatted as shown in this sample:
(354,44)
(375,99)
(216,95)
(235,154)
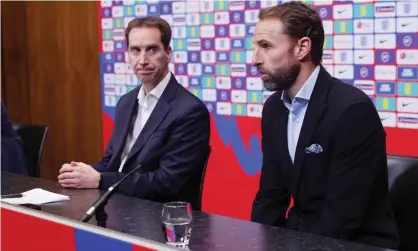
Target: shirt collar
(156,92)
(307,88)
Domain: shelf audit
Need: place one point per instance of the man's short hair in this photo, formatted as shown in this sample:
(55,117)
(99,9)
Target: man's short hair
(300,20)
(151,22)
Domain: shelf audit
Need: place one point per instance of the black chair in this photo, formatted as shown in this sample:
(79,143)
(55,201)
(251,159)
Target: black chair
(203,179)
(33,137)
(403,187)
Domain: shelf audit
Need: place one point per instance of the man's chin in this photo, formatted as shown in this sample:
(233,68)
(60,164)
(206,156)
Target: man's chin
(145,78)
(271,86)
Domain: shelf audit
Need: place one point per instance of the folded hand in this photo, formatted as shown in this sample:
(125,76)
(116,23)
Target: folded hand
(78,175)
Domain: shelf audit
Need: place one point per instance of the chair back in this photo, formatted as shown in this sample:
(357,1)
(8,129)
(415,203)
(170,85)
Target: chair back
(33,137)
(403,188)
(202,179)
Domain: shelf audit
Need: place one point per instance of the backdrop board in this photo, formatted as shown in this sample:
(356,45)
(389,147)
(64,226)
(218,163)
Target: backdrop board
(372,45)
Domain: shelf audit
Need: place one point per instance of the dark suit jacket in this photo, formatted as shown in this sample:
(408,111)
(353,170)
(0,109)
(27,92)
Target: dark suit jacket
(341,192)
(13,154)
(177,175)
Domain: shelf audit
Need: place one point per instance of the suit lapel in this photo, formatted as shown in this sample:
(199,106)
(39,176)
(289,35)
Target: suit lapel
(281,125)
(158,114)
(316,109)
(126,120)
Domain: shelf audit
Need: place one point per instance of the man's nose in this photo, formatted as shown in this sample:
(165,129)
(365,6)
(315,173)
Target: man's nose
(143,59)
(256,61)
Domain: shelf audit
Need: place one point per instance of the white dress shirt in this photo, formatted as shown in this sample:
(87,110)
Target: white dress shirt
(297,109)
(147,103)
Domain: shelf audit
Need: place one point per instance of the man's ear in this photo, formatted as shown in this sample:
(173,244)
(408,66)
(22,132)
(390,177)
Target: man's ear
(304,48)
(169,53)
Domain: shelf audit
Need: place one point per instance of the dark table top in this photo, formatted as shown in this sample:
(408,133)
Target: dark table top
(142,218)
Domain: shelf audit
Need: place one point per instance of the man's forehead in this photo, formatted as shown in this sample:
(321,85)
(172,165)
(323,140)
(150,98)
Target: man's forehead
(270,24)
(145,39)
(268,28)
(144,43)
(143,33)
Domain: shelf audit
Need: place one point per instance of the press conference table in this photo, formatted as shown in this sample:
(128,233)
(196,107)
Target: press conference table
(141,218)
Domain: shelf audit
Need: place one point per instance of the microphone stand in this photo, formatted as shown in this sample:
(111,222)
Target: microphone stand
(102,200)
(101,216)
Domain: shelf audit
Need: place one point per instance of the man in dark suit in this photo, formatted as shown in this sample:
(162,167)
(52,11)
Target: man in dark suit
(147,118)
(323,142)
(13,154)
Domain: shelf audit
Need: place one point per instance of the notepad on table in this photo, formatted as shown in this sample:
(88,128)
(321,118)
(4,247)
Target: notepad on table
(37,196)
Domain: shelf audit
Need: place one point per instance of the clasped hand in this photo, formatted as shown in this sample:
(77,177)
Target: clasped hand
(78,175)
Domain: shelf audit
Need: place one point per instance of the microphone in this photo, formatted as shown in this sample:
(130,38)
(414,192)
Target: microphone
(106,196)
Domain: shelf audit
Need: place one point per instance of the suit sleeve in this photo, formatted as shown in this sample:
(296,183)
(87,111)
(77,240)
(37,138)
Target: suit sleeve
(272,198)
(13,155)
(358,152)
(177,166)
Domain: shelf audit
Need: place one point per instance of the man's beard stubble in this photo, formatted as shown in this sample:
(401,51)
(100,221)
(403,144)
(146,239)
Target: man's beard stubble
(282,80)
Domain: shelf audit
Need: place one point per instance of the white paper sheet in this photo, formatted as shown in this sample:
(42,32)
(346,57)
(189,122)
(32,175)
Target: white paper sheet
(37,196)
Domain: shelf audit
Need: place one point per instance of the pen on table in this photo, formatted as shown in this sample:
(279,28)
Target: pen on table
(11,196)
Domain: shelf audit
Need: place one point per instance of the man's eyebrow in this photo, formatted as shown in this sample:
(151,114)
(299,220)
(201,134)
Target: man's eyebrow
(261,41)
(147,47)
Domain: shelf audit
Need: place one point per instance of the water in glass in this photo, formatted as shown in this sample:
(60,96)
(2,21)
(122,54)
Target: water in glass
(177,223)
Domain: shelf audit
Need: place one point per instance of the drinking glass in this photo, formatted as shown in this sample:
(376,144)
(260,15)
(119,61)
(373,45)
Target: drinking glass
(177,223)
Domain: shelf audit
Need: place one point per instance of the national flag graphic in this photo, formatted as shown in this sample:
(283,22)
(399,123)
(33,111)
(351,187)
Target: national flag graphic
(328,42)
(343,27)
(363,10)
(254,97)
(193,31)
(409,89)
(221,5)
(249,44)
(239,109)
(238,57)
(385,103)
(208,82)
(118,23)
(207,18)
(179,44)
(107,34)
(129,11)
(223,69)
(196,92)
